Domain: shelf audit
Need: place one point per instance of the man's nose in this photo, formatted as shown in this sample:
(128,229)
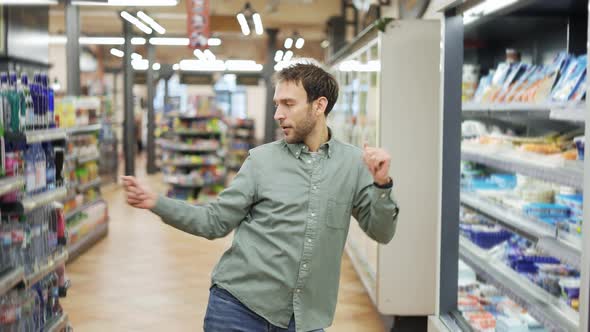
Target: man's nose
(279,115)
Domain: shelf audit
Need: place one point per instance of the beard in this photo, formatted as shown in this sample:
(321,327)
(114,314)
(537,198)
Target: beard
(302,129)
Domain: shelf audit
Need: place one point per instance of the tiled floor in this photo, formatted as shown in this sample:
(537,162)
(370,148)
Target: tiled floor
(146,276)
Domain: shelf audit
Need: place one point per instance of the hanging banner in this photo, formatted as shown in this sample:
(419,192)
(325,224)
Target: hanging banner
(198,23)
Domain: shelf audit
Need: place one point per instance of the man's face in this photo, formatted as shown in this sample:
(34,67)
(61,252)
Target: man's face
(293,112)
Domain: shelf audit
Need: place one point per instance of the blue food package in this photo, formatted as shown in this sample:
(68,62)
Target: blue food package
(546,210)
(571,201)
(570,80)
(506,181)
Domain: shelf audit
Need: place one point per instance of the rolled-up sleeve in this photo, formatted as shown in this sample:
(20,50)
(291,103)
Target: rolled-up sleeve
(374,208)
(218,218)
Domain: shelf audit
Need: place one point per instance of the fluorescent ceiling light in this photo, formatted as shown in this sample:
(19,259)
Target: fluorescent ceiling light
(258,24)
(102,40)
(118,53)
(199,65)
(243,65)
(209,55)
(200,55)
(136,56)
(138,41)
(156,66)
(150,21)
(288,43)
(140,64)
(243,24)
(133,20)
(129,3)
(288,56)
(279,55)
(176,66)
(214,42)
(28,2)
(300,42)
(485,8)
(169,41)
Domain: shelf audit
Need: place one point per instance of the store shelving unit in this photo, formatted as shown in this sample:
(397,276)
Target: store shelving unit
(81,214)
(57,325)
(11,278)
(32,202)
(11,183)
(539,29)
(100,231)
(240,140)
(58,259)
(192,160)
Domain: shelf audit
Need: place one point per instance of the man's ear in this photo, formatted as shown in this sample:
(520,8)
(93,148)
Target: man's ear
(321,105)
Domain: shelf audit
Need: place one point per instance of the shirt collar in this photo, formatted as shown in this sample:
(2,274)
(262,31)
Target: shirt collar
(297,148)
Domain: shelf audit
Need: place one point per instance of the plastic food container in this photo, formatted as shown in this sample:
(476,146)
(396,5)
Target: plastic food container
(570,287)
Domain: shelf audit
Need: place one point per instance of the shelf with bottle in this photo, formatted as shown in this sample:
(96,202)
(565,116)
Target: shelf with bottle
(58,324)
(36,308)
(11,278)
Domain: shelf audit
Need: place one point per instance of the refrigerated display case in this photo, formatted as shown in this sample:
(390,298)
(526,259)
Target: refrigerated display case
(514,240)
(383,76)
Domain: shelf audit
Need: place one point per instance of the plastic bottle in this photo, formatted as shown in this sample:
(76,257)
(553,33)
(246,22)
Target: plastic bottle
(15,103)
(40,168)
(50,166)
(30,172)
(29,110)
(50,97)
(5,105)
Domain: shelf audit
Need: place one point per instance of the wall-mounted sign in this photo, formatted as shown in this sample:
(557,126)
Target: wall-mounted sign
(196,78)
(139,77)
(247,79)
(198,23)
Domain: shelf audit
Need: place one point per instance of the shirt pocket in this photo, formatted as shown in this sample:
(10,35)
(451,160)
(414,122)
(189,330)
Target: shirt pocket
(338,214)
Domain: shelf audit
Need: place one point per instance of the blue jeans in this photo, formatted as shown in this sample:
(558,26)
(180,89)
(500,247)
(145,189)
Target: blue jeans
(225,313)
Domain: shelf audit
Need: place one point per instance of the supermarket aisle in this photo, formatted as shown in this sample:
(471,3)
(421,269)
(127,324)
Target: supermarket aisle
(146,276)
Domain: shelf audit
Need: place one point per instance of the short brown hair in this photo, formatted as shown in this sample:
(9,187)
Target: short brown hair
(316,82)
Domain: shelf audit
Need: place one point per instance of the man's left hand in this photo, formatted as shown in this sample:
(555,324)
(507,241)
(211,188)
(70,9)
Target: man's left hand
(378,161)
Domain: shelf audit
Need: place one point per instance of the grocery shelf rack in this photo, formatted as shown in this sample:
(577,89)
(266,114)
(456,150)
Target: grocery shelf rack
(80,193)
(193,156)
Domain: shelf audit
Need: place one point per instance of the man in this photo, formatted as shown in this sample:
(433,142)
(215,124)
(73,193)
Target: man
(290,207)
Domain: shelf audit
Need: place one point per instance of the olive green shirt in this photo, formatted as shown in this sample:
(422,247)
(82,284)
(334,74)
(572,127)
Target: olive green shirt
(290,210)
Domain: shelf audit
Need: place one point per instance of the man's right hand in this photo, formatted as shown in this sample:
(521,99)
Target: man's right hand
(138,195)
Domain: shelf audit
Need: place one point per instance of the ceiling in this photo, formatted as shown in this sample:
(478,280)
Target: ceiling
(307,17)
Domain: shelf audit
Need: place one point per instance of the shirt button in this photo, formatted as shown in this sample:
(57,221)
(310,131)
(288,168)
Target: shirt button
(305,266)
(313,214)
(309,161)
(308,240)
(298,290)
(315,187)
(383,195)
